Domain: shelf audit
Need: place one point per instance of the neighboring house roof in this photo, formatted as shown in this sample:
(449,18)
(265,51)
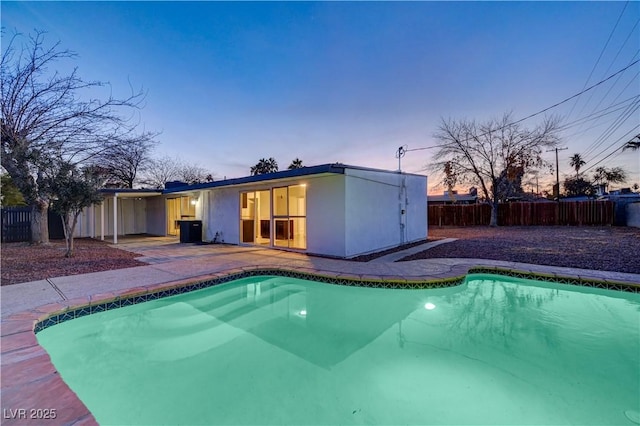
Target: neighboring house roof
(458,198)
(335,168)
(576,198)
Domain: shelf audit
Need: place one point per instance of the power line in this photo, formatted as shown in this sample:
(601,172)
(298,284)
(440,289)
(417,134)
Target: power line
(558,103)
(613,127)
(608,68)
(612,86)
(601,53)
(614,151)
(598,114)
(577,94)
(400,152)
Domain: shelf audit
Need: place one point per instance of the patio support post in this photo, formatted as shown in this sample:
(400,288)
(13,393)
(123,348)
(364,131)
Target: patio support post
(92,220)
(102,220)
(115,218)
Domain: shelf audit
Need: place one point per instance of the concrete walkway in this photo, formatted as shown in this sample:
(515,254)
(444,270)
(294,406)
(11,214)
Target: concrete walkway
(393,257)
(29,380)
(170,261)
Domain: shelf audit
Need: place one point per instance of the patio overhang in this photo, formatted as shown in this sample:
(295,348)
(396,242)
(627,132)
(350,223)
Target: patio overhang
(122,193)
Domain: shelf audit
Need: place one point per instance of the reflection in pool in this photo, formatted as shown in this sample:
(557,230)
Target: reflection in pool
(275,350)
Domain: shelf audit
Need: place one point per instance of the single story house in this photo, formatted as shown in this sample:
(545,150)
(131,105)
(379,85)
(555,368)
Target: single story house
(330,209)
(452,198)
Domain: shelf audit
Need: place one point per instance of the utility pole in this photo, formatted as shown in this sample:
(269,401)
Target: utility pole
(402,150)
(557,170)
(400,153)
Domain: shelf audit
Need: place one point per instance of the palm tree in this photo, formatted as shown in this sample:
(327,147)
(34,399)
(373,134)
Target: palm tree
(604,176)
(633,144)
(296,164)
(576,162)
(265,166)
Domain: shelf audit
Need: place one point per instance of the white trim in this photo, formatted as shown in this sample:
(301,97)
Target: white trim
(102,220)
(115,218)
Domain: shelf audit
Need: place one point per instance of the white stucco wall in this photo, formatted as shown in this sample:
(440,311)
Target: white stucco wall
(132,218)
(222,215)
(416,208)
(347,215)
(374,201)
(325,215)
(156,215)
(83,226)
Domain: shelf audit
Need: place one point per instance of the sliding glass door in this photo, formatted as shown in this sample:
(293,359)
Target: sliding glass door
(276,217)
(255,217)
(290,216)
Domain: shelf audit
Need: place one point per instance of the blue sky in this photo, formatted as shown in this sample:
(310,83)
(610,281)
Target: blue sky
(231,82)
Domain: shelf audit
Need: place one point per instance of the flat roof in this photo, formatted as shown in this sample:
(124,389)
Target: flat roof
(335,168)
(128,192)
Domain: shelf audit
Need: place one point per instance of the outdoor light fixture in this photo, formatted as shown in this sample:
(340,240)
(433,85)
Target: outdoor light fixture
(303,313)
(193,202)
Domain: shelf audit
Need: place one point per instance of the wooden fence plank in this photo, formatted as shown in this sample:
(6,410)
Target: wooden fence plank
(575,213)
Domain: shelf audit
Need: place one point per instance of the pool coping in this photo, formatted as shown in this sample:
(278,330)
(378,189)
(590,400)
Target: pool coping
(33,374)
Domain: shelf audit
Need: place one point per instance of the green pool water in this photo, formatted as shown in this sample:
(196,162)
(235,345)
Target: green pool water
(274,350)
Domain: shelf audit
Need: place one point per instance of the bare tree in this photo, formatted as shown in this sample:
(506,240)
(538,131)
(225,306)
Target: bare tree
(166,169)
(193,173)
(494,155)
(125,162)
(160,171)
(449,180)
(48,117)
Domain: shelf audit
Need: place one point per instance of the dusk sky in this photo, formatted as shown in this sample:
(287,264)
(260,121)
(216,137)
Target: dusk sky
(230,83)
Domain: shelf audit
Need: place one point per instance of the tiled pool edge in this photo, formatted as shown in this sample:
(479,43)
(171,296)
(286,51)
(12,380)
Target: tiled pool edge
(105,302)
(33,382)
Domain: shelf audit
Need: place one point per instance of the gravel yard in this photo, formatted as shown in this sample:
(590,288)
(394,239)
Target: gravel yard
(22,262)
(602,248)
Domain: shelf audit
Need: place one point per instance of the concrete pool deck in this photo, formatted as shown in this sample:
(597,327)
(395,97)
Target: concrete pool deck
(30,384)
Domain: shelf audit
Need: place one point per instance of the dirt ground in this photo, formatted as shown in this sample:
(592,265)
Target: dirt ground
(22,262)
(602,248)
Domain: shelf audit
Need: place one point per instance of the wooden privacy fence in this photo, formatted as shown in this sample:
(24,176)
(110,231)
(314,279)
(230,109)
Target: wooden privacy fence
(16,224)
(525,214)
(459,215)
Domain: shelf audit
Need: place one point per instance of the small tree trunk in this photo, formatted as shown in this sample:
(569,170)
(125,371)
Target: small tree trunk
(494,214)
(68,234)
(69,252)
(40,222)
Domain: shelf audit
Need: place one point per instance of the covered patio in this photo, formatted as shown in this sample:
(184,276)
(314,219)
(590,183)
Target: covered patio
(127,212)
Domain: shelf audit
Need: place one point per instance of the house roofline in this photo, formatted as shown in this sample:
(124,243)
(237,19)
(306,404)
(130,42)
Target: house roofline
(133,192)
(335,168)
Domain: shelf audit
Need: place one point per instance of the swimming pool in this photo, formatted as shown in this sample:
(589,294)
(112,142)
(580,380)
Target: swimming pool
(278,350)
